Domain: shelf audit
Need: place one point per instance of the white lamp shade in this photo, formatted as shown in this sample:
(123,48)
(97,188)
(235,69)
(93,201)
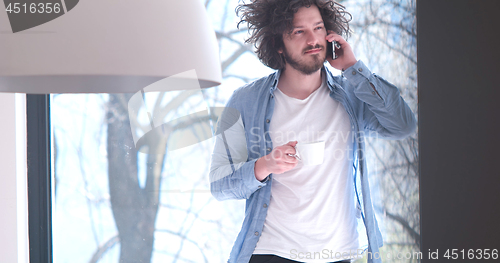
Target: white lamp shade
(110,46)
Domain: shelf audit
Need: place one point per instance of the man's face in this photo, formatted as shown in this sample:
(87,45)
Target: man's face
(305,46)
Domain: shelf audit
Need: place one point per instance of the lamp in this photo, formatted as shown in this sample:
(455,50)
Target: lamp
(111,46)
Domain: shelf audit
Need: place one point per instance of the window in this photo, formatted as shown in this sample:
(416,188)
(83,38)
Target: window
(96,199)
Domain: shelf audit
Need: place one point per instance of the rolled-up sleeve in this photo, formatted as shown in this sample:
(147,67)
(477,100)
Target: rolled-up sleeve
(232,175)
(384,110)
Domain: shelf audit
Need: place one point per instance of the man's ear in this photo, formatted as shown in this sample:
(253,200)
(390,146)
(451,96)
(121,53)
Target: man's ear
(280,50)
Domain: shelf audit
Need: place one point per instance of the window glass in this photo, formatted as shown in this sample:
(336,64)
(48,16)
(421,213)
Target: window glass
(112,202)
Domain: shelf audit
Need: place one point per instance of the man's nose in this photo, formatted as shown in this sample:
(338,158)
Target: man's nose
(312,39)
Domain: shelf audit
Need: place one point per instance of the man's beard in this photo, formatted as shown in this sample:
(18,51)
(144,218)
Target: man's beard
(307,69)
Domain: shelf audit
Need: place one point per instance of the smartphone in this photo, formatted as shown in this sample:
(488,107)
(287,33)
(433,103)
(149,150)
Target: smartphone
(332,47)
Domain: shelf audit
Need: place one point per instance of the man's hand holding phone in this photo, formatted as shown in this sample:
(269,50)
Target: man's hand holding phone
(344,55)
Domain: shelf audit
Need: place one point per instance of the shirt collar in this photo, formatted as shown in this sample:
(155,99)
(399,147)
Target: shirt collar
(274,83)
(329,79)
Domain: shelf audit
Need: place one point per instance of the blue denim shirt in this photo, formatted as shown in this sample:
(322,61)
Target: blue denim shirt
(374,106)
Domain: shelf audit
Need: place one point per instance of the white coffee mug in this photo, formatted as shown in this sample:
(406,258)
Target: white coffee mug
(310,153)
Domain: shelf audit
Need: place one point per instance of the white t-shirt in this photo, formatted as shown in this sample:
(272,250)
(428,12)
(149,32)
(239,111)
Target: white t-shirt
(311,216)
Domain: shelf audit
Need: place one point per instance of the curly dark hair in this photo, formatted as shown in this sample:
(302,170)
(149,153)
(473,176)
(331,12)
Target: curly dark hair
(268,20)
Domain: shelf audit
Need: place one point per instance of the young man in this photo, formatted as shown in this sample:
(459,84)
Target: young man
(294,212)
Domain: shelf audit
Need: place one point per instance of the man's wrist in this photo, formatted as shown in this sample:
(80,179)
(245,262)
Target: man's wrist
(260,169)
(348,65)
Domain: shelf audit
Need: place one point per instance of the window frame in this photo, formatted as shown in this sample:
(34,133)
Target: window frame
(38,142)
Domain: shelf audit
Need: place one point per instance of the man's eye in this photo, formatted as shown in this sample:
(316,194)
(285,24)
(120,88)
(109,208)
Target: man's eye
(320,27)
(298,32)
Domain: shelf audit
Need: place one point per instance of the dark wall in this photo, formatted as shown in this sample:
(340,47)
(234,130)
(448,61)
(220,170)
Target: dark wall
(459,125)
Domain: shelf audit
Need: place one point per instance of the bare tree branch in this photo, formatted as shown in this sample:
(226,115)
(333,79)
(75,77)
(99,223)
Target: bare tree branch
(184,237)
(220,35)
(102,249)
(233,57)
(415,236)
(245,79)
(398,26)
(398,50)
